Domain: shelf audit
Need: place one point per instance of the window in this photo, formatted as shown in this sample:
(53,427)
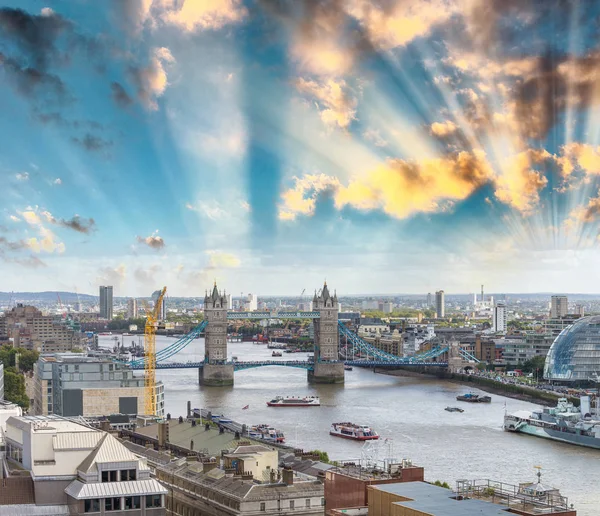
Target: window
(109,476)
(153,500)
(92,505)
(133,502)
(292,504)
(262,506)
(307,503)
(322,502)
(112,504)
(127,474)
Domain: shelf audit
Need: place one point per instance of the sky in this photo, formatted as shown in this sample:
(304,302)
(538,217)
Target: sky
(390,146)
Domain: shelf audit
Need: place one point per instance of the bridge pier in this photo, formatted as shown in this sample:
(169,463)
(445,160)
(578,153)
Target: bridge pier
(216,375)
(326,373)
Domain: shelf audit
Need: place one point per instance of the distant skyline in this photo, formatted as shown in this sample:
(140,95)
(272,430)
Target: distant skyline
(384,146)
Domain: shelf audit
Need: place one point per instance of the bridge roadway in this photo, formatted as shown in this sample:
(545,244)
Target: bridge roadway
(299,364)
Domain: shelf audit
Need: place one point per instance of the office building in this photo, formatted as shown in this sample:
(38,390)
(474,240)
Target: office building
(132,308)
(162,311)
(580,310)
(429,299)
(558,307)
(75,467)
(106,303)
(386,307)
(440,304)
(499,318)
(28,328)
(74,385)
(251,303)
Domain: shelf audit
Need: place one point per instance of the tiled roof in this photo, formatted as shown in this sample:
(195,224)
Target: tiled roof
(81,491)
(76,440)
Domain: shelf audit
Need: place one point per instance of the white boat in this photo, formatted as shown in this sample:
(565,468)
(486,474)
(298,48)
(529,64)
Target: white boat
(353,431)
(294,401)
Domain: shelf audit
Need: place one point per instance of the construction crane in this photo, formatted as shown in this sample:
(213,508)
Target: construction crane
(152,317)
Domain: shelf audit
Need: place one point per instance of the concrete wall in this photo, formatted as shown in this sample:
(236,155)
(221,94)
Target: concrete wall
(327,373)
(51,492)
(106,401)
(216,375)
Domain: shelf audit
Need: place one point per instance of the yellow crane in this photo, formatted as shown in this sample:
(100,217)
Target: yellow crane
(150,355)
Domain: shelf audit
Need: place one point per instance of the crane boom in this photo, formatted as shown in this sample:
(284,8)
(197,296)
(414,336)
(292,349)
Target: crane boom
(150,355)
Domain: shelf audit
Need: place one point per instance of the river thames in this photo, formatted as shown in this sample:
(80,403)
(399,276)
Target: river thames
(408,411)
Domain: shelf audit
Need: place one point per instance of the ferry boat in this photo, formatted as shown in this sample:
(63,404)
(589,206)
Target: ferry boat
(353,431)
(474,398)
(294,401)
(565,423)
(266,433)
(277,354)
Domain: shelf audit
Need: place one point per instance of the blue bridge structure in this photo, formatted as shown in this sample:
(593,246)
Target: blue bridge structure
(336,345)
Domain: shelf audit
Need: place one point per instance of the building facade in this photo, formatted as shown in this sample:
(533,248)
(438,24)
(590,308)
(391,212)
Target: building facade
(106,302)
(70,385)
(132,308)
(440,304)
(81,468)
(559,306)
(499,318)
(28,328)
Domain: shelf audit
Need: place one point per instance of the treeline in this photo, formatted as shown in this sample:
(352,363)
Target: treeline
(14,381)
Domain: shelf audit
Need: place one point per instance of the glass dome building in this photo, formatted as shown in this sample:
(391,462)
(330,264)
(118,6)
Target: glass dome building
(574,356)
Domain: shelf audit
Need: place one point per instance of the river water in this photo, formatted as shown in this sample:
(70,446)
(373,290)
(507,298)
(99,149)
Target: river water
(408,411)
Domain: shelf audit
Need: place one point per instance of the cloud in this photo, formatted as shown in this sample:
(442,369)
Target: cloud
(589,213)
(192,15)
(153,241)
(112,275)
(519,184)
(211,209)
(374,137)
(146,276)
(120,96)
(22,176)
(302,198)
(245,205)
(57,181)
(31,262)
(8,245)
(581,156)
(222,260)
(92,142)
(443,129)
(336,107)
(151,81)
(14,218)
(76,223)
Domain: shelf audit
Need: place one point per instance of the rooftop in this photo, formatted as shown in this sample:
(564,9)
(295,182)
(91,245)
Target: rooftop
(81,491)
(51,423)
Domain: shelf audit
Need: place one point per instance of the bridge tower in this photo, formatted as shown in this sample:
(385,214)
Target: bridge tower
(216,371)
(327,367)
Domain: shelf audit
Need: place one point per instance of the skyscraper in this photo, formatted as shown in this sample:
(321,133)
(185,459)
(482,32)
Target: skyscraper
(428,299)
(499,317)
(440,304)
(106,302)
(559,307)
(132,308)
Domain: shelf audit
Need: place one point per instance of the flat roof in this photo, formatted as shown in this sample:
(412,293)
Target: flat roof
(431,499)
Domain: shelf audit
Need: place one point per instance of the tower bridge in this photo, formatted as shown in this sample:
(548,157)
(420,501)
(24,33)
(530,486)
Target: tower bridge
(327,367)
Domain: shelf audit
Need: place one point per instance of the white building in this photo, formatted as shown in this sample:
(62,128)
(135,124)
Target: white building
(132,308)
(86,469)
(558,307)
(229,302)
(440,304)
(251,303)
(499,318)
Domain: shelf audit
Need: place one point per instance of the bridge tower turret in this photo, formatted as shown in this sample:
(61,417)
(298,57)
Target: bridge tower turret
(216,371)
(327,367)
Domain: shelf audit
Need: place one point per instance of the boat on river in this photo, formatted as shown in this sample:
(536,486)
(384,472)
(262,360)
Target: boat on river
(294,401)
(474,398)
(277,354)
(266,433)
(565,422)
(454,409)
(353,431)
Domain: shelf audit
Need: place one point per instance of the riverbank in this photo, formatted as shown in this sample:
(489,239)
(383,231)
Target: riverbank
(510,390)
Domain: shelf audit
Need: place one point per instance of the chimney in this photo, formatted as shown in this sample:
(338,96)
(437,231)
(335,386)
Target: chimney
(288,476)
(189,409)
(208,466)
(105,426)
(163,434)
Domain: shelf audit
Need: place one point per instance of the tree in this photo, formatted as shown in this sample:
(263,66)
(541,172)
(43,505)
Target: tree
(534,365)
(323,456)
(14,388)
(27,359)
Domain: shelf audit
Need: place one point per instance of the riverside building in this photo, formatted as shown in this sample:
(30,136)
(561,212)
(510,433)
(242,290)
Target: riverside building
(74,385)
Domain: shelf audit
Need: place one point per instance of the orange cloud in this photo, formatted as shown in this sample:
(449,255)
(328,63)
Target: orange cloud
(580,155)
(443,129)
(203,14)
(336,107)
(588,213)
(302,198)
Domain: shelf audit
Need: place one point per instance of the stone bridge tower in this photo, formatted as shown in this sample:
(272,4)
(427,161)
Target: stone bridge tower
(327,367)
(216,371)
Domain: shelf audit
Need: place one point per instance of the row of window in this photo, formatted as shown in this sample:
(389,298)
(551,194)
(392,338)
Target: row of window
(113,476)
(117,504)
(263,505)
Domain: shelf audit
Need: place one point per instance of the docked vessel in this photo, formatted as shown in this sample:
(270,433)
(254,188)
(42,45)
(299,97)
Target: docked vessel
(277,354)
(294,401)
(565,423)
(353,431)
(266,433)
(347,368)
(454,409)
(474,398)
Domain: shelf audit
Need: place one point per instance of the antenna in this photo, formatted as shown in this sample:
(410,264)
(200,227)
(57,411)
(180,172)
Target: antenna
(539,473)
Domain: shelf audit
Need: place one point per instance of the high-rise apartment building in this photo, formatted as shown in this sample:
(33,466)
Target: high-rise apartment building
(29,328)
(132,308)
(252,303)
(499,317)
(559,307)
(106,302)
(428,299)
(440,304)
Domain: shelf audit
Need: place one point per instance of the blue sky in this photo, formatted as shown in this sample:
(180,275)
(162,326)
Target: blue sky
(388,146)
